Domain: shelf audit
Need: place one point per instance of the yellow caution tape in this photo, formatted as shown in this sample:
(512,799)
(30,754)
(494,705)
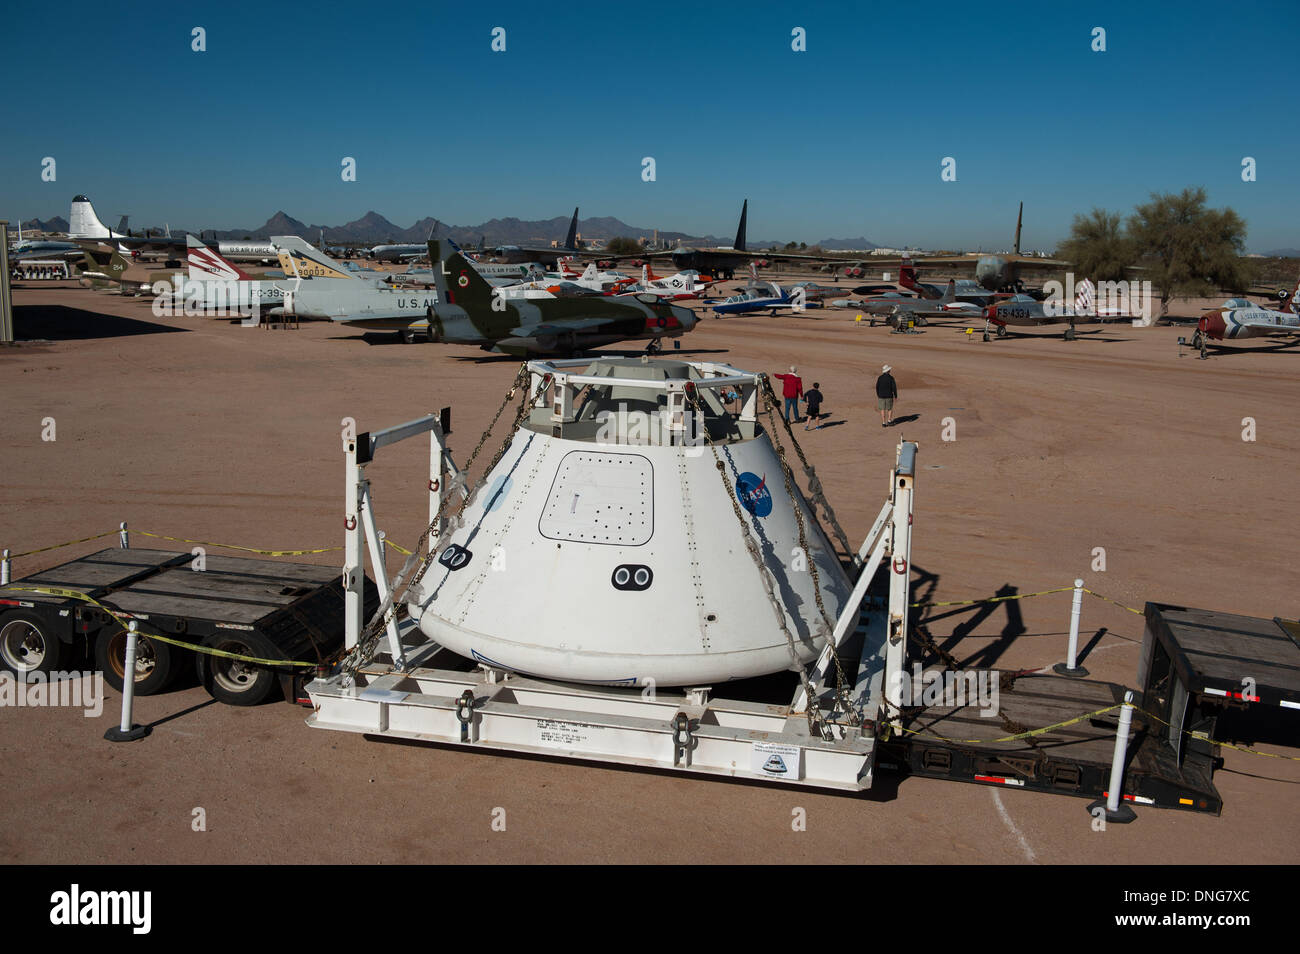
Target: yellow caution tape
(1116,602)
(231,546)
(1018,735)
(1025,596)
(1032,732)
(400,549)
(98,536)
(994,599)
(1205,738)
(124,620)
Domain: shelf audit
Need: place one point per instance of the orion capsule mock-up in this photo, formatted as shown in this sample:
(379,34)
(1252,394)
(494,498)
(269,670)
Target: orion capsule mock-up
(606,546)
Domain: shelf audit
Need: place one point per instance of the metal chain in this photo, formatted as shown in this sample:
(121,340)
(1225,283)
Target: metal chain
(369,639)
(841,678)
(817,723)
(810,472)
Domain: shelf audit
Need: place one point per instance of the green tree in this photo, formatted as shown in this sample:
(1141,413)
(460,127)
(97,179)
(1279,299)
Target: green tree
(621,245)
(1188,249)
(1098,246)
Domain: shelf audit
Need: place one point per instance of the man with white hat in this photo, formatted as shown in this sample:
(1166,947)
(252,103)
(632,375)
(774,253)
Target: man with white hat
(886,391)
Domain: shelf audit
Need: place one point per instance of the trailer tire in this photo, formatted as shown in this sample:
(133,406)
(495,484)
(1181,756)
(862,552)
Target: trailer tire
(27,645)
(156,664)
(233,682)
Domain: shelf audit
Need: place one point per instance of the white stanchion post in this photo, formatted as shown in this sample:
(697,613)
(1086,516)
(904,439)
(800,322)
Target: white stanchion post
(5,567)
(127,731)
(123,538)
(1070,667)
(1115,810)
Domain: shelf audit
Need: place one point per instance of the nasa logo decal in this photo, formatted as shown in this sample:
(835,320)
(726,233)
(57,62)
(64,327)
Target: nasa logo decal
(754,495)
(463,281)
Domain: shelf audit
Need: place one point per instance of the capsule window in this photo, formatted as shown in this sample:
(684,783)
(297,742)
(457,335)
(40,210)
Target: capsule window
(631,576)
(455,557)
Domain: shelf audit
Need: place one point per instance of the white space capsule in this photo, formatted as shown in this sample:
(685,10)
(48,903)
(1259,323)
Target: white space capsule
(604,546)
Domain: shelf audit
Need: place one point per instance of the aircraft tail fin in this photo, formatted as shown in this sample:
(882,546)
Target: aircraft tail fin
(1020,218)
(206,264)
(739,244)
(303,260)
(949,293)
(907,273)
(571,239)
(589,273)
(458,282)
(104,261)
(645,274)
(650,272)
(83,222)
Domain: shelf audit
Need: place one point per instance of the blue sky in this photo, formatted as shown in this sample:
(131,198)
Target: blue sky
(842,140)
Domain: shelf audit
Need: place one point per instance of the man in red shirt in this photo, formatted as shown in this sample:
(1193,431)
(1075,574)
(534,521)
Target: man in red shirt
(792,391)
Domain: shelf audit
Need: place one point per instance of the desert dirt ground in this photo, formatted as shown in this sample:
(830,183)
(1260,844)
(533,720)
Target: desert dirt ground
(202,429)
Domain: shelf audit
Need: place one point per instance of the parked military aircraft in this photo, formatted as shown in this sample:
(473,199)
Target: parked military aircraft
(1028,312)
(894,307)
(993,272)
(1242,318)
(34,249)
(677,287)
(84,225)
(721,262)
(512,254)
(470,311)
(215,284)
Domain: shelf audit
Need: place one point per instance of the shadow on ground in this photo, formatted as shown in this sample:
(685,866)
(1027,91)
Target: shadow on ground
(61,323)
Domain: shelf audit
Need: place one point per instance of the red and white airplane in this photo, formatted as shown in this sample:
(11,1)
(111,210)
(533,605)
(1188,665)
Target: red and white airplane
(683,285)
(1242,318)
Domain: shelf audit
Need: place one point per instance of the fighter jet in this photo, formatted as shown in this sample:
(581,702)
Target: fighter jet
(470,311)
(895,308)
(1242,318)
(321,288)
(215,284)
(1027,311)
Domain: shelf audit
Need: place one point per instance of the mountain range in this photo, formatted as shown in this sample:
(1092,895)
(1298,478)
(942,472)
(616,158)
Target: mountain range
(373,228)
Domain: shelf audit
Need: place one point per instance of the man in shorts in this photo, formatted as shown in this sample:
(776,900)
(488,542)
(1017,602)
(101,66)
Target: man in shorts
(814,398)
(886,391)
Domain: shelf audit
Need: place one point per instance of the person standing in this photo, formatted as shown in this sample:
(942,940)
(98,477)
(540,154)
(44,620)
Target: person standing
(886,392)
(814,398)
(791,390)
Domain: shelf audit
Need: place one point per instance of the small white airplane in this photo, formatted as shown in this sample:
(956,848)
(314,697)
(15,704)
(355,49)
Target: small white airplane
(683,285)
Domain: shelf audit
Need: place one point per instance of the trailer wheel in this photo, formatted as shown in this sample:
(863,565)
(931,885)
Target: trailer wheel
(26,646)
(155,662)
(232,681)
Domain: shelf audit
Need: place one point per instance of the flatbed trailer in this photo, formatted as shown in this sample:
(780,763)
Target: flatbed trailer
(1195,665)
(257,608)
